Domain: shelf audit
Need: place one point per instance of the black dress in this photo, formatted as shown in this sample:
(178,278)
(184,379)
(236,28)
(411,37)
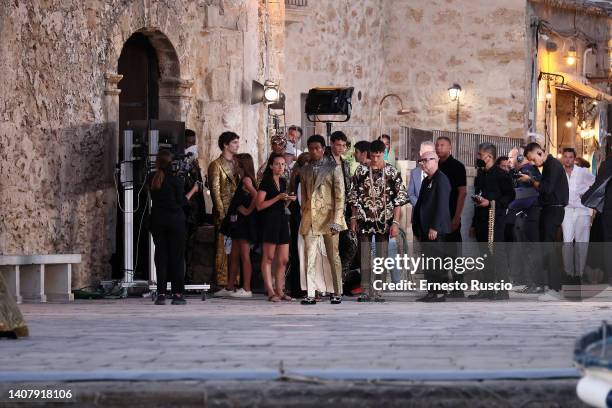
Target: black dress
(236,225)
(274,220)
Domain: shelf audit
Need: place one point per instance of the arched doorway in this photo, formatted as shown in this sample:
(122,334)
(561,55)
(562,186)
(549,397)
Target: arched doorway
(139,97)
(149,70)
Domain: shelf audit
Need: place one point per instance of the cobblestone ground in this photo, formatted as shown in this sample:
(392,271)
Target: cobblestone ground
(255,334)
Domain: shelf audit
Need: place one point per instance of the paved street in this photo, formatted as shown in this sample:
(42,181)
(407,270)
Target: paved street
(134,334)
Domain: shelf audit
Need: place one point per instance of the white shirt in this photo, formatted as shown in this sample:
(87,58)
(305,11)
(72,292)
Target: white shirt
(579,182)
(423,176)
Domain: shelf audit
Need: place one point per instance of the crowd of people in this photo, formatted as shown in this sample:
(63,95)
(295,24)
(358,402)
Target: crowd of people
(315,218)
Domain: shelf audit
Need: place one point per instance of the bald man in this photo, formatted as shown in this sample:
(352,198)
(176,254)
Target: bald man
(431,219)
(417,175)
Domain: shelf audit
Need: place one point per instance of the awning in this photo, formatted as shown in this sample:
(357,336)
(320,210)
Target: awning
(576,84)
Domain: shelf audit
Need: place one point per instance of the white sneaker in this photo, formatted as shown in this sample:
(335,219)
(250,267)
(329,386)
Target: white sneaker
(222,293)
(550,296)
(241,293)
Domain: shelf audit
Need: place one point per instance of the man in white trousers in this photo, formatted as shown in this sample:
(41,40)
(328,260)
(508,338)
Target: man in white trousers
(577,220)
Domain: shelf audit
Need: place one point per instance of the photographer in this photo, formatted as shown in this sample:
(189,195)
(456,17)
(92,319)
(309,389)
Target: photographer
(554,196)
(168,226)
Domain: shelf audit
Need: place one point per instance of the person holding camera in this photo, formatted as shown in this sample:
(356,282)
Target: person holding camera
(271,202)
(168,226)
(554,196)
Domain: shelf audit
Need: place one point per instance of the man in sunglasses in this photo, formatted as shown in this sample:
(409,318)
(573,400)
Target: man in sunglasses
(554,196)
(492,191)
(431,220)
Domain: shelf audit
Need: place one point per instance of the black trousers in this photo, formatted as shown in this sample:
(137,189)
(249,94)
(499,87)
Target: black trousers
(551,219)
(169,230)
(293,279)
(432,249)
(496,264)
(454,250)
(526,256)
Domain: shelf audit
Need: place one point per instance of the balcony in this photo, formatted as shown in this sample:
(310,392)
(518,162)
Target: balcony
(296,11)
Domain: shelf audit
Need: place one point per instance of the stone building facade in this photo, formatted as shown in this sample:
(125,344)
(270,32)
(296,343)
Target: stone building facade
(61,88)
(59,108)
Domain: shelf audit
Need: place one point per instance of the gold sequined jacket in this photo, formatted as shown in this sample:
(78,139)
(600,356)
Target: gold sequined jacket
(222,181)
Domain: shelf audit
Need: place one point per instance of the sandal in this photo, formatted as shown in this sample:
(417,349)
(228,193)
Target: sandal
(274,298)
(287,298)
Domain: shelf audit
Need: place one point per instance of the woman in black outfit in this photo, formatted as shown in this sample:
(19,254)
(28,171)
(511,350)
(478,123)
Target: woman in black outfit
(272,199)
(240,224)
(168,227)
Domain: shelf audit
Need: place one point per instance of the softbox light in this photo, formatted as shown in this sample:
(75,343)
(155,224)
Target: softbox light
(329,101)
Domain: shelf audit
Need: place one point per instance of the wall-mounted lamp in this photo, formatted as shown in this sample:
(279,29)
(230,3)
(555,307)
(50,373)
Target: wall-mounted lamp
(569,123)
(570,58)
(548,93)
(454,92)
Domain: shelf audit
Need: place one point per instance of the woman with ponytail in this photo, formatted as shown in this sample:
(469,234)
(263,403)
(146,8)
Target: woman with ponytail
(168,227)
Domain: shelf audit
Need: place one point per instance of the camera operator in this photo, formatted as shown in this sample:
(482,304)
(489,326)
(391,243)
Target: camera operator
(554,196)
(492,184)
(191,173)
(168,226)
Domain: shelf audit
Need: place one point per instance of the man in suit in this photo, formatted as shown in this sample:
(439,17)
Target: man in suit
(431,218)
(417,175)
(322,208)
(222,176)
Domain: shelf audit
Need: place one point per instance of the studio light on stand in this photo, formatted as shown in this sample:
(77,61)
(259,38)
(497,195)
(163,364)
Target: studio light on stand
(332,103)
(270,95)
(268,92)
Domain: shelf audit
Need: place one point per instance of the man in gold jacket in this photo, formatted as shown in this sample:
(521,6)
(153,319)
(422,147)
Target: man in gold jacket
(223,179)
(322,215)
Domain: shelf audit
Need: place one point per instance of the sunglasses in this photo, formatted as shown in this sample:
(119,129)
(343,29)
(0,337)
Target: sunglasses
(423,161)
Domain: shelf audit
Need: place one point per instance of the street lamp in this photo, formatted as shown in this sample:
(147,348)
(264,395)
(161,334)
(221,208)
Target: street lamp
(454,92)
(402,111)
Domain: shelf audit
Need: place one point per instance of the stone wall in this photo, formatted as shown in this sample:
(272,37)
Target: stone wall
(59,108)
(417,50)
(479,44)
(338,43)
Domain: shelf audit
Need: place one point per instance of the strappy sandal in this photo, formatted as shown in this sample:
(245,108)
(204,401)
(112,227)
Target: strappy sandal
(274,298)
(287,298)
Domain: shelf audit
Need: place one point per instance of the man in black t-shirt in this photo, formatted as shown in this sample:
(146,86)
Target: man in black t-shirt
(455,171)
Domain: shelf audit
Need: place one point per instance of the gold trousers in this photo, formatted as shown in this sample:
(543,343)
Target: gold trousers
(310,257)
(221,261)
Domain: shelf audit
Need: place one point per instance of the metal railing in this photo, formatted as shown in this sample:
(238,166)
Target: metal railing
(296,3)
(465,146)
